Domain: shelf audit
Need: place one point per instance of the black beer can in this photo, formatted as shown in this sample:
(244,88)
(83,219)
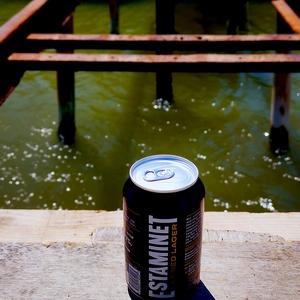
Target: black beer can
(163,205)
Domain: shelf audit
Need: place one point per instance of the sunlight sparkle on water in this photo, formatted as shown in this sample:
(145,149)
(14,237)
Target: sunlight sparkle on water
(219,203)
(161,104)
(265,203)
(204,124)
(296,178)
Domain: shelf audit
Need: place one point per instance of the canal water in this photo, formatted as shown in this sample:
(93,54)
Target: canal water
(219,121)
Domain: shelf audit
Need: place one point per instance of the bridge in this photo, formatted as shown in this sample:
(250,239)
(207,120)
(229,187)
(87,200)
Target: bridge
(48,24)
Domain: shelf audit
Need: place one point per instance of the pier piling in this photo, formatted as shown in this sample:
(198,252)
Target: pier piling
(237,16)
(280,107)
(114,16)
(66,94)
(20,50)
(164,25)
(280,103)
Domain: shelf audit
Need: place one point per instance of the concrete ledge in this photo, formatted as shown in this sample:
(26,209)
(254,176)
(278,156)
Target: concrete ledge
(79,255)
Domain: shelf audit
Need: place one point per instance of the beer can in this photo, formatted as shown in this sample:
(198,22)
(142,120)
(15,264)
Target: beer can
(163,206)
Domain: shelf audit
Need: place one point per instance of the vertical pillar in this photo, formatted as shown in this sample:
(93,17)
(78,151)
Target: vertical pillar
(114,16)
(280,108)
(164,25)
(66,95)
(280,103)
(237,16)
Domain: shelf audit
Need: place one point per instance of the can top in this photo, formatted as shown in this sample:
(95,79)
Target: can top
(163,173)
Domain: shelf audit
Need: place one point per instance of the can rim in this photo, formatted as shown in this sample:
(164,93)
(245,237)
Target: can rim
(177,158)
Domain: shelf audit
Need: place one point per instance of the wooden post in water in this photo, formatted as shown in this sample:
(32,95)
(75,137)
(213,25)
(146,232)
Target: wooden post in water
(66,95)
(280,107)
(237,16)
(164,25)
(114,16)
(280,104)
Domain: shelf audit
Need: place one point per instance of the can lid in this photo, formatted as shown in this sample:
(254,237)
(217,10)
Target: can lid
(163,173)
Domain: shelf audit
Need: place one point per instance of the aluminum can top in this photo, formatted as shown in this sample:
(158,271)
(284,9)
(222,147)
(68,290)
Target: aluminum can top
(163,173)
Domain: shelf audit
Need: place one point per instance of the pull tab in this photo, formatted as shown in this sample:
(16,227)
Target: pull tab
(158,174)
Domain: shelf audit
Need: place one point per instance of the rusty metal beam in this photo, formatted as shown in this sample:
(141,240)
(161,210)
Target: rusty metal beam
(200,43)
(220,63)
(36,16)
(18,20)
(287,14)
(13,27)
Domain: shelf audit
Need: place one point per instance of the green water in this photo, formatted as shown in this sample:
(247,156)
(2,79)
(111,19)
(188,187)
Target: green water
(219,121)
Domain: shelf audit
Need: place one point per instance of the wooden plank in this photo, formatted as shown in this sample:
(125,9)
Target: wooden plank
(173,42)
(46,226)
(285,225)
(288,14)
(58,243)
(252,271)
(221,63)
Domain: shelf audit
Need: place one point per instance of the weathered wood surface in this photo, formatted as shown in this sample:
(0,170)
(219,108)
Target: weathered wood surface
(252,271)
(244,271)
(47,226)
(200,63)
(80,255)
(287,14)
(218,43)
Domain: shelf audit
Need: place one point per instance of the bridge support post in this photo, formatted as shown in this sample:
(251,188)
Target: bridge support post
(280,108)
(237,16)
(66,95)
(280,102)
(114,16)
(164,25)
